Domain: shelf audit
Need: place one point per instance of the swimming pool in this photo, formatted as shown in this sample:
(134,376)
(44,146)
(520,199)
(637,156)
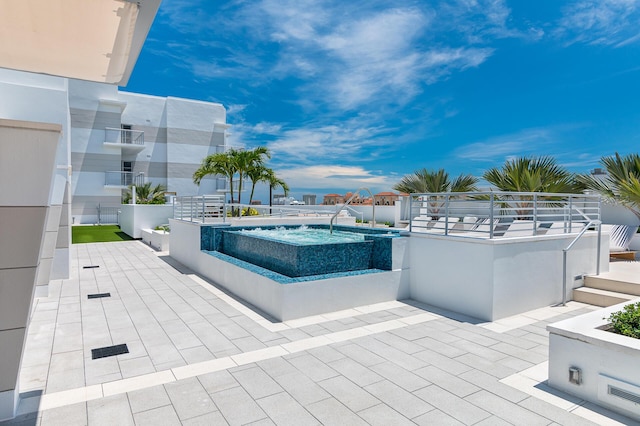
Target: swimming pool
(294,251)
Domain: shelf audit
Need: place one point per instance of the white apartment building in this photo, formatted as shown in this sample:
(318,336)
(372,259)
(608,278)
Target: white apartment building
(120,138)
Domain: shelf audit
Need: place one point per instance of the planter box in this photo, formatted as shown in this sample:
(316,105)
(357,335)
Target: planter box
(608,363)
(159,240)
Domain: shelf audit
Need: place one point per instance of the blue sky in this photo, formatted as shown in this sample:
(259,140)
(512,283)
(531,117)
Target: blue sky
(359,93)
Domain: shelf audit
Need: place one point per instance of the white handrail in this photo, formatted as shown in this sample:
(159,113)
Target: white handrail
(373,208)
(569,247)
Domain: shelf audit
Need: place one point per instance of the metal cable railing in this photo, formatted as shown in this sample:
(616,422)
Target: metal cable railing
(501,214)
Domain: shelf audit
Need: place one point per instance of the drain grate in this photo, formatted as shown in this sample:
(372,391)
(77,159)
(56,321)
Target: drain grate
(90,266)
(621,393)
(98,295)
(109,351)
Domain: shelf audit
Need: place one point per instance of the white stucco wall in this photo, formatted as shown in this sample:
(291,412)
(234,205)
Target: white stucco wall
(135,218)
(604,359)
(493,279)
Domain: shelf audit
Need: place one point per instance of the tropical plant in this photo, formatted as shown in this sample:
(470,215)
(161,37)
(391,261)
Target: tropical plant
(425,181)
(146,194)
(435,181)
(232,163)
(627,321)
(533,174)
(274,182)
(622,183)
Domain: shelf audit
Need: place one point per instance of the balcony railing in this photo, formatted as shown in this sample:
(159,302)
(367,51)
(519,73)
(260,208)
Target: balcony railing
(502,214)
(123,179)
(125,137)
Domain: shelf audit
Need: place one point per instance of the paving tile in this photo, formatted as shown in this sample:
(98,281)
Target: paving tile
(275,367)
(437,417)
(326,354)
(360,355)
(301,388)
(482,364)
(284,410)
(331,412)
(451,365)
(383,415)
(447,381)
(214,418)
(399,343)
(147,399)
(399,399)
(157,417)
(196,354)
(355,372)
(509,411)
(491,384)
(136,367)
(237,406)
(554,413)
(74,414)
(313,368)
(409,362)
(348,393)
(257,383)
(111,410)
(452,405)
(401,377)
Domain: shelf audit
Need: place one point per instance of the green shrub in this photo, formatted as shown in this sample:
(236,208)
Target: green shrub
(627,321)
(164,228)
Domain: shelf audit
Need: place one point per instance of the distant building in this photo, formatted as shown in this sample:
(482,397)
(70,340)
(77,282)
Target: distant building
(333,199)
(309,199)
(386,198)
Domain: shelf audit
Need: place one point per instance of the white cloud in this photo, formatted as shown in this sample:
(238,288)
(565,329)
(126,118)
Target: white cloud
(606,22)
(323,176)
(527,141)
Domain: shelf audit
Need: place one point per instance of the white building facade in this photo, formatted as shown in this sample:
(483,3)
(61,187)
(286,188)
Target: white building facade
(120,138)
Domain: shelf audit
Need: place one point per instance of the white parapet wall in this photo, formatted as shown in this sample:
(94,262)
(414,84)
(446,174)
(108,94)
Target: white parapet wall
(605,364)
(136,217)
(493,279)
(292,300)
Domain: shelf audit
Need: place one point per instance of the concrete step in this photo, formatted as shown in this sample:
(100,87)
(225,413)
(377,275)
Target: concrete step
(614,283)
(598,297)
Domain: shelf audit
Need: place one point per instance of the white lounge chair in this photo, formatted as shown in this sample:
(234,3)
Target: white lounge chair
(619,240)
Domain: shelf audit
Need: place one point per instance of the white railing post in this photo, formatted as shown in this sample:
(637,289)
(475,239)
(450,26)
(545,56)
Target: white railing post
(491,200)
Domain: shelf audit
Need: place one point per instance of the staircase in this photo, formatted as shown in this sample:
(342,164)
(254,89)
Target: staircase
(620,284)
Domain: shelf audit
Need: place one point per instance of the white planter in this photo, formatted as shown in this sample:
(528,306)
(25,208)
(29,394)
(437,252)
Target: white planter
(159,240)
(608,362)
(136,217)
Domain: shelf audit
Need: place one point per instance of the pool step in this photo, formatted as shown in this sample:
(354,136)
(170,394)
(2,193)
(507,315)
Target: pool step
(599,297)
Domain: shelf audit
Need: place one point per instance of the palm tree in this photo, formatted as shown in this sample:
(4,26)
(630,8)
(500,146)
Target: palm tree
(532,174)
(146,194)
(274,182)
(231,163)
(220,163)
(622,183)
(425,181)
(435,181)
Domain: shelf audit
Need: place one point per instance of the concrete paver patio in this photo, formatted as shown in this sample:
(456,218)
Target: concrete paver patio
(199,356)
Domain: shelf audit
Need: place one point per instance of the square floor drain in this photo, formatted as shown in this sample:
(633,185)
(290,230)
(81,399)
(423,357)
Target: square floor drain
(109,351)
(98,295)
(90,266)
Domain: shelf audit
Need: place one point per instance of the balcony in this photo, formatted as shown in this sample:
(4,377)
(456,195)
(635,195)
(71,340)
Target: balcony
(122,180)
(126,139)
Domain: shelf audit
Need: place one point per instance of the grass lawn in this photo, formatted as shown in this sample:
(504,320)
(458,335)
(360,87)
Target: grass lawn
(97,234)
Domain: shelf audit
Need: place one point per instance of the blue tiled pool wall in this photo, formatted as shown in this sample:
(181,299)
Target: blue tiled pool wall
(296,260)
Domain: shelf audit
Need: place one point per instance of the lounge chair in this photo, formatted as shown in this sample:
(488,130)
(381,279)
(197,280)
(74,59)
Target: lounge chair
(619,240)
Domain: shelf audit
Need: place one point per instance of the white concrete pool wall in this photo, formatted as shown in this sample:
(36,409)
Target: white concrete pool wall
(485,279)
(493,279)
(296,300)
(604,359)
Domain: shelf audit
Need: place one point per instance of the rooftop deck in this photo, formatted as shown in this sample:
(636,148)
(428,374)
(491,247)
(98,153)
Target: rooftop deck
(199,356)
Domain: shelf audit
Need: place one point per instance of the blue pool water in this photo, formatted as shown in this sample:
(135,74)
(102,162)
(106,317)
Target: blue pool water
(304,235)
(308,251)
